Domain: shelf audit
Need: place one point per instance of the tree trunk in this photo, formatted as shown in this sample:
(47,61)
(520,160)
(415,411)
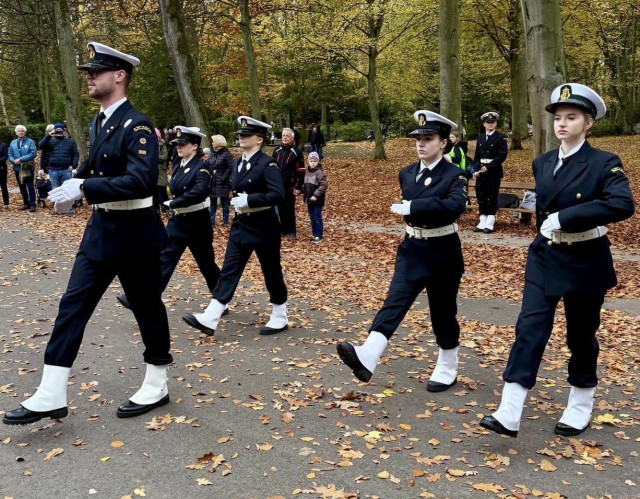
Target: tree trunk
(43,87)
(373,105)
(4,108)
(518,70)
(250,56)
(450,90)
(323,114)
(546,66)
(184,66)
(69,81)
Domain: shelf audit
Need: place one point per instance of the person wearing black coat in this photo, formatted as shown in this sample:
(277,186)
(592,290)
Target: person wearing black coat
(4,156)
(579,190)
(491,152)
(317,141)
(221,166)
(429,257)
(290,161)
(189,227)
(257,190)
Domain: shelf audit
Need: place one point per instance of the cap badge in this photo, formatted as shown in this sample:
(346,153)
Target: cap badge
(92,52)
(565,93)
(178,133)
(243,122)
(127,123)
(422,119)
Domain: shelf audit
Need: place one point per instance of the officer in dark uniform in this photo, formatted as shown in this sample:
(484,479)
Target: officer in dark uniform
(123,238)
(190,226)
(579,190)
(491,152)
(257,188)
(430,257)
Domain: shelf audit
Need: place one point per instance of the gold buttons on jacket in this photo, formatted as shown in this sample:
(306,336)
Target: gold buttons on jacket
(549,243)
(578,196)
(105,155)
(547,213)
(249,180)
(91,172)
(101,174)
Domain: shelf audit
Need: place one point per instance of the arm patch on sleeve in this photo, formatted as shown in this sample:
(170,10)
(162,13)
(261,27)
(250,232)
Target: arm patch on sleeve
(205,171)
(143,128)
(617,169)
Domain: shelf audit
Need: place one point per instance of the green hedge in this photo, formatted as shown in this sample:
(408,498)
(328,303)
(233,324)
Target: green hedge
(350,132)
(602,128)
(35,131)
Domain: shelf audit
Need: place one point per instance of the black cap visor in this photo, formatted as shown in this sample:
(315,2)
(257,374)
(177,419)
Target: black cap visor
(575,100)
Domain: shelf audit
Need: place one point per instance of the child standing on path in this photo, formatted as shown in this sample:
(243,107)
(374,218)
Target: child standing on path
(313,191)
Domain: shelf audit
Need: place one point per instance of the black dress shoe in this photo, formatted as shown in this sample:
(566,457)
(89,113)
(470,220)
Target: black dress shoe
(488,231)
(123,300)
(226,312)
(436,386)
(568,431)
(266,331)
(478,229)
(22,415)
(193,322)
(131,409)
(348,355)
(491,423)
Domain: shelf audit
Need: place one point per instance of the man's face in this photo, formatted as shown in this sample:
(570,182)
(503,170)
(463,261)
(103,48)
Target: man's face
(102,82)
(287,138)
(21,132)
(490,125)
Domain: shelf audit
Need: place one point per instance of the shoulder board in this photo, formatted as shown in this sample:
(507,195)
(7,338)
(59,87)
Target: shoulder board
(142,128)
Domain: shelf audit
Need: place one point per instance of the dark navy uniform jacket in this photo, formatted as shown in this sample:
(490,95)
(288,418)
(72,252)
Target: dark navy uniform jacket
(437,199)
(591,190)
(122,165)
(263,184)
(191,184)
(495,148)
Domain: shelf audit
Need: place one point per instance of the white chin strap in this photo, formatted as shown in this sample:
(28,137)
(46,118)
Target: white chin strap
(211,316)
(52,392)
(370,351)
(446,369)
(154,386)
(483,222)
(578,411)
(491,219)
(509,413)
(278,318)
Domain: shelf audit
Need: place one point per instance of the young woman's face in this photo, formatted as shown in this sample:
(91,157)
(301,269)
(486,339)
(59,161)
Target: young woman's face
(249,142)
(453,138)
(430,146)
(186,149)
(570,123)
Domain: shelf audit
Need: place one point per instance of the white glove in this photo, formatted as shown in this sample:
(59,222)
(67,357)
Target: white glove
(403,208)
(167,203)
(551,224)
(240,202)
(64,196)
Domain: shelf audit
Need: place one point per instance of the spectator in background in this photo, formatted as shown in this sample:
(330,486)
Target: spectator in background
(62,155)
(4,155)
(314,188)
(161,195)
(455,154)
(44,155)
(221,164)
(22,153)
(43,186)
(316,139)
(207,153)
(290,160)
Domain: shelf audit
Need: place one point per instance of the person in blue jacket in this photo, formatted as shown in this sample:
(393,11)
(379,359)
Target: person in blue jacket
(22,154)
(579,190)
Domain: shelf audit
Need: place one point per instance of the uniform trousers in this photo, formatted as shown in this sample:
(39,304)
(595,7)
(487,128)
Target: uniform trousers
(235,260)
(202,251)
(442,292)
(141,280)
(533,330)
(487,190)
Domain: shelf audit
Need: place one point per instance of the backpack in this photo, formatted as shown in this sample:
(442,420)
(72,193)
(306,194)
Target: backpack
(508,200)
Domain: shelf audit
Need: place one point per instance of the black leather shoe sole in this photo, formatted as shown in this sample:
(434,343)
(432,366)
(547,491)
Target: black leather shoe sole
(122,300)
(131,409)
(568,431)
(488,231)
(25,416)
(266,331)
(435,386)
(226,312)
(348,355)
(193,322)
(491,423)
(476,229)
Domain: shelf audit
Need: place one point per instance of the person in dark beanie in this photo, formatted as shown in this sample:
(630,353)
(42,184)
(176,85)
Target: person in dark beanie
(314,188)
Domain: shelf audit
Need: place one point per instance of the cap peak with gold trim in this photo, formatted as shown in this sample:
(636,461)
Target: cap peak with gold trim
(252,126)
(490,116)
(576,94)
(190,134)
(107,58)
(430,123)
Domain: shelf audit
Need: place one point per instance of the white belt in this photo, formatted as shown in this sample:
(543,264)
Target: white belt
(194,207)
(420,233)
(245,211)
(485,161)
(130,204)
(558,236)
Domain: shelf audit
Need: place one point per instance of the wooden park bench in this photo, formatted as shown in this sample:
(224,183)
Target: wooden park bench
(517,188)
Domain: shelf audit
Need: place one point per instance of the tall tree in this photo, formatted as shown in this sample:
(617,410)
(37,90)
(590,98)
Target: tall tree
(450,90)
(184,65)
(545,65)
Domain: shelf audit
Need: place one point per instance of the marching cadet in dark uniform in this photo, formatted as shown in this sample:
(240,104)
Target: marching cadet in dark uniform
(257,189)
(190,225)
(491,152)
(579,190)
(433,198)
(123,238)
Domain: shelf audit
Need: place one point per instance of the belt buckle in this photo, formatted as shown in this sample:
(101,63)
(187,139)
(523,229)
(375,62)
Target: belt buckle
(556,237)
